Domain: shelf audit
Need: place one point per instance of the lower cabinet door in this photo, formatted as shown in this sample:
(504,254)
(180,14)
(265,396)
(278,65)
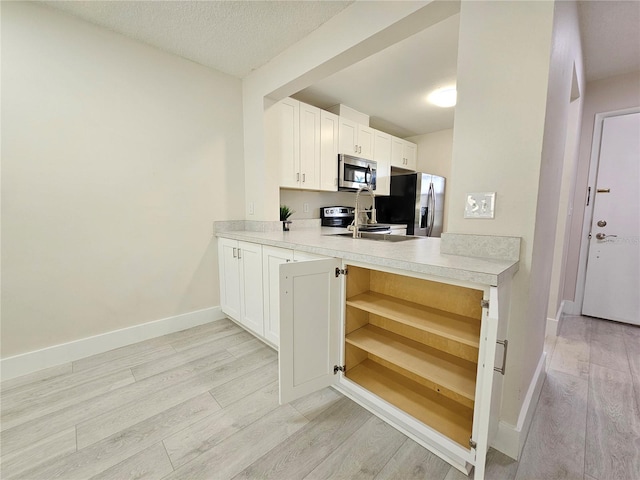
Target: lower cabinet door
(229,267)
(272,258)
(251,307)
(310,326)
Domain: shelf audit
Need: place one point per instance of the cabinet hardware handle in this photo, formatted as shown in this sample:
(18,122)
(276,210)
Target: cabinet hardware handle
(304,177)
(355,148)
(505,344)
(359,149)
(298,177)
(235,252)
(239,256)
(603,190)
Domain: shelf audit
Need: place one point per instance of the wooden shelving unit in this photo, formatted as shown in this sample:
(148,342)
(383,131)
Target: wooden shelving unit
(414,343)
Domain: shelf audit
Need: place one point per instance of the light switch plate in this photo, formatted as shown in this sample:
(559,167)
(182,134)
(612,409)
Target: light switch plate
(480,205)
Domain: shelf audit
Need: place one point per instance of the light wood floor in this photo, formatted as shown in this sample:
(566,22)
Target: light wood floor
(203,403)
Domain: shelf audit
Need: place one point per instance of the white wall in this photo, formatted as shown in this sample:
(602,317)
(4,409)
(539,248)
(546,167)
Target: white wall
(435,151)
(116,159)
(514,82)
(606,95)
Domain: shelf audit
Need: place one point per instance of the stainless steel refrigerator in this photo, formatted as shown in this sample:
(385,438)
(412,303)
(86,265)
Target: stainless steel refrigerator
(417,200)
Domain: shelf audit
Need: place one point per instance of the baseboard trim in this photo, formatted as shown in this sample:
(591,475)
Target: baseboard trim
(554,323)
(510,438)
(30,362)
(572,308)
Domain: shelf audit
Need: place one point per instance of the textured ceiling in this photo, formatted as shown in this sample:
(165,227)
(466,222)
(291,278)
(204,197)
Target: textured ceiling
(234,37)
(610,36)
(237,37)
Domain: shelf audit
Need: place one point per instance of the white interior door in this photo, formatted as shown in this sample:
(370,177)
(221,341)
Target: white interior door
(613,263)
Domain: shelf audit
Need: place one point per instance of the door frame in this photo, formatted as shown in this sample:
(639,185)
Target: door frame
(588,209)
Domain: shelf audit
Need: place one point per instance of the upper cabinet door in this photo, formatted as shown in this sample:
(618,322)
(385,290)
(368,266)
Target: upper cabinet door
(310,320)
(397,152)
(309,147)
(365,142)
(411,155)
(348,136)
(382,156)
(329,144)
(284,143)
(403,154)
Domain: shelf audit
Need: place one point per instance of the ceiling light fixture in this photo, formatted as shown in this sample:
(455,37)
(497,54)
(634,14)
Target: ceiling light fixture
(443,97)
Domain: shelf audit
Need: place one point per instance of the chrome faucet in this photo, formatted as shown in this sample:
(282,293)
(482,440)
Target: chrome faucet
(356,231)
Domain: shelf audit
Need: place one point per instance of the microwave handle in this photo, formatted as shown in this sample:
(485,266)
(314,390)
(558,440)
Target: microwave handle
(368,176)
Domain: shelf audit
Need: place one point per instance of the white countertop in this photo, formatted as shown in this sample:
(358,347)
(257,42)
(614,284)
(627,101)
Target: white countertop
(420,255)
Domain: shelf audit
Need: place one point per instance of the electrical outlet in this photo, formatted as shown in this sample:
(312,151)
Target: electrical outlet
(252,208)
(305,207)
(480,205)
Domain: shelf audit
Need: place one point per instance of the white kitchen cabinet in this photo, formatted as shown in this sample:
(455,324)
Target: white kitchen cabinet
(272,258)
(418,352)
(309,169)
(240,265)
(404,154)
(382,156)
(303,141)
(329,146)
(282,123)
(356,139)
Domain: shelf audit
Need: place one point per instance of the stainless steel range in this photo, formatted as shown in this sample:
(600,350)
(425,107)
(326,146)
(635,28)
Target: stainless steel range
(336,216)
(341,217)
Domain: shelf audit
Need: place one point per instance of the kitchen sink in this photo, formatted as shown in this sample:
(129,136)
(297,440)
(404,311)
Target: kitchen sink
(381,237)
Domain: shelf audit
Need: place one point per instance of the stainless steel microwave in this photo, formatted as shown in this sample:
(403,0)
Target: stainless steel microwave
(354,172)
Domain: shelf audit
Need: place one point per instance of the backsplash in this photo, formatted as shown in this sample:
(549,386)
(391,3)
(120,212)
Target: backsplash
(295,199)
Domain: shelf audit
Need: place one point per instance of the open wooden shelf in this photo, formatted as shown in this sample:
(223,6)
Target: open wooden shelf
(449,418)
(446,374)
(454,327)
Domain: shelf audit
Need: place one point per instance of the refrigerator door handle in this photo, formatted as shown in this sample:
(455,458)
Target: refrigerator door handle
(432,206)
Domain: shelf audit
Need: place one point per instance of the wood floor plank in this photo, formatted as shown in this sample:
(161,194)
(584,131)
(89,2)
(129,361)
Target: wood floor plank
(608,348)
(150,464)
(303,451)
(362,455)
(238,388)
(556,439)
(613,426)
(216,332)
(632,343)
(34,378)
(30,392)
(46,450)
(414,462)
(233,454)
(191,442)
(500,466)
(96,458)
(152,354)
(119,418)
(199,331)
(25,434)
(314,404)
(41,406)
(116,354)
(156,366)
(572,347)
(247,347)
